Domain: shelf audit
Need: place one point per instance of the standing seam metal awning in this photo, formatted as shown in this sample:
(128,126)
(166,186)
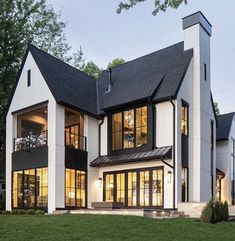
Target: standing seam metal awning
(157,153)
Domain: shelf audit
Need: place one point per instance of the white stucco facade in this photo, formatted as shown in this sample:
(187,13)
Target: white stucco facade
(194,90)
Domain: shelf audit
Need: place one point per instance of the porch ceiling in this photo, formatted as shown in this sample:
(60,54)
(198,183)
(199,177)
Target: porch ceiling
(157,153)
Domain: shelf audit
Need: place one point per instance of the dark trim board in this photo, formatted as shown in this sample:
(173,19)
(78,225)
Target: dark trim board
(26,109)
(150,169)
(75,159)
(30,159)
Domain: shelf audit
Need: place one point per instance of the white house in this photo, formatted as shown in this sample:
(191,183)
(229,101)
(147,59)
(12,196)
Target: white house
(142,136)
(225,158)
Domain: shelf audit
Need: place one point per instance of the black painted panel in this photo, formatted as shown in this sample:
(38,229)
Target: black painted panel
(75,159)
(184,151)
(33,158)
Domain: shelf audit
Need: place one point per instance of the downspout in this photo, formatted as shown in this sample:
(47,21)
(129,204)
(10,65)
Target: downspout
(173,150)
(100,124)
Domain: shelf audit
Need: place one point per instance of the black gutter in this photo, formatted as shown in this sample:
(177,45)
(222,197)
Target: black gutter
(100,124)
(173,150)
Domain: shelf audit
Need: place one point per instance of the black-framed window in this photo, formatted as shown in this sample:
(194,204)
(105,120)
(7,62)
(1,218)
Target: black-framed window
(132,189)
(72,136)
(184,184)
(28,78)
(30,188)
(109,187)
(205,71)
(135,188)
(184,119)
(75,188)
(129,128)
(233,170)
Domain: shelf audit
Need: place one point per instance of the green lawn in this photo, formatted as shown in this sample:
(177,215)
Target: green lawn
(100,227)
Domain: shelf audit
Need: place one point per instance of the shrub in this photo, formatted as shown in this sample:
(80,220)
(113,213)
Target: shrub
(6,212)
(15,212)
(225,211)
(30,212)
(208,213)
(219,211)
(39,212)
(21,211)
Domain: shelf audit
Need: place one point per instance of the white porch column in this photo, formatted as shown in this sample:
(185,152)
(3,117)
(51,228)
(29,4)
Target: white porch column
(56,157)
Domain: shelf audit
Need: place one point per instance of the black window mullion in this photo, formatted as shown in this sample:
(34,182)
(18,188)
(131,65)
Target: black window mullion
(138,188)
(150,188)
(35,188)
(75,188)
(115,187)
(126,189)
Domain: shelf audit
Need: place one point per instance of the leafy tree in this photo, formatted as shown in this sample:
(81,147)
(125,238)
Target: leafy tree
(116,62)
(23,22)
(216,105)
(159,5)
(92,69)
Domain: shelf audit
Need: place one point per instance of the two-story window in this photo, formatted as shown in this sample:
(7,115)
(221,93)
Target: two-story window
(184,143)
(232,170)
(129,129)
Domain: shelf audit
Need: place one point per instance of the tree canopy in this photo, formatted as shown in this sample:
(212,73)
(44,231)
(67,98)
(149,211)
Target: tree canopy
(115,62)
(159,5)
(23,22)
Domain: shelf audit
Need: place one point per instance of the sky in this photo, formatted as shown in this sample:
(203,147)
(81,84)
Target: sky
(104,35)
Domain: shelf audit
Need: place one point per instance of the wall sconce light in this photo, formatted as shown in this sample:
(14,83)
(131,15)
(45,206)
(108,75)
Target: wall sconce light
(100,182)
(169,176)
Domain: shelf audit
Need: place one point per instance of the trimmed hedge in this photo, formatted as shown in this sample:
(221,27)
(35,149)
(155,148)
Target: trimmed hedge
(23,212)
(215,212)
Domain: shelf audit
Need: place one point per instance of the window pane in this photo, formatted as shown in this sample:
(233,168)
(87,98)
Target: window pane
(117,131)
(42,190)
(129,129)
(144,188)
(120,187)
(117,122)
(157,188)
(29,188)
(109,187)
(184,184)
(132,189)
(184,119)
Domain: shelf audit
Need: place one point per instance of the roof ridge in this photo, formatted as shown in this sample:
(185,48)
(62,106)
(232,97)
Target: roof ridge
(56,58)
(171,46)
(229,113)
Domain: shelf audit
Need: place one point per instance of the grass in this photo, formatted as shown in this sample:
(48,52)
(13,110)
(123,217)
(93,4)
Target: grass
(110,228)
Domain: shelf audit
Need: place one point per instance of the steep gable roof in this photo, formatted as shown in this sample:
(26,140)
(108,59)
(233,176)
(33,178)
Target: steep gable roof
(157,75)
(224,126)
(68,85)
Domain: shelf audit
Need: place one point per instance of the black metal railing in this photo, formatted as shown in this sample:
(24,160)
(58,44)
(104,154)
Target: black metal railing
(31,141)
(75,141)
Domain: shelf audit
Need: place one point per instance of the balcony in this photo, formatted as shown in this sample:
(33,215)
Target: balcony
(75,141)
(33,140)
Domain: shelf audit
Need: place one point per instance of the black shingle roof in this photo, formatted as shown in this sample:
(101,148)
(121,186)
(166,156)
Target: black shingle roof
(157,75)
(157,153)
(162,71)
(68,85)
(224,125)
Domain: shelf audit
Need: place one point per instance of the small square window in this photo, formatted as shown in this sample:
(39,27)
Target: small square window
(3,186)
(29,78)
(205,72)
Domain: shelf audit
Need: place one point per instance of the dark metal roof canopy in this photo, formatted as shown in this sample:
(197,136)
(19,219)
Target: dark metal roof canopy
(157,153)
